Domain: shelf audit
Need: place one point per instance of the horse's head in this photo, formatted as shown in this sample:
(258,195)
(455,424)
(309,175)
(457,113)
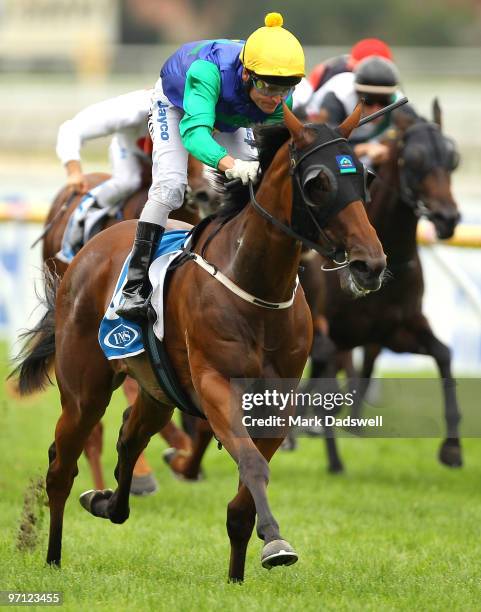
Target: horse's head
(329,191)
(426,159)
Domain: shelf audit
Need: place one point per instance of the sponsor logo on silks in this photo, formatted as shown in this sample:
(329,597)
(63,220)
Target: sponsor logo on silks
(162,120)
(121,337)
(345,164)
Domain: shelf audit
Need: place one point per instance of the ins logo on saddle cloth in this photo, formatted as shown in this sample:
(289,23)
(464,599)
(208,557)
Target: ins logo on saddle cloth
(121,337)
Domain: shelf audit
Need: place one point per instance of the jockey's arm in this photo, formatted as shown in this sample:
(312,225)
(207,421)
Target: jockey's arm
(101,119)
(202,89)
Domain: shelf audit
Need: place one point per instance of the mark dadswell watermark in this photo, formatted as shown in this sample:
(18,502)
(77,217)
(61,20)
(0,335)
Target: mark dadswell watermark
(387,407)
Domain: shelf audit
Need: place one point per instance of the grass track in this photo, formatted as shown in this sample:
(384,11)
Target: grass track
(397,531)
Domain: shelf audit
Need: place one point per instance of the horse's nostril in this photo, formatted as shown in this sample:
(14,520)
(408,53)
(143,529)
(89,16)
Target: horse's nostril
(360,267)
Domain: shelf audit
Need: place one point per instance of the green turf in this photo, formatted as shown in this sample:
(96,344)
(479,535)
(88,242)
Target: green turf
(397,531)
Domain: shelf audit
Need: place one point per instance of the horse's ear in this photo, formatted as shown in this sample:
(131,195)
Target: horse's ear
(352,121)
(437,117)
(295,127)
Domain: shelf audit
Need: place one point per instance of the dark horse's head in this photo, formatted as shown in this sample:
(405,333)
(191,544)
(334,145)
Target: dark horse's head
(426,159)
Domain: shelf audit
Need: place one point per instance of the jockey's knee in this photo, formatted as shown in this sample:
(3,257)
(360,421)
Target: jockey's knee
(162,201)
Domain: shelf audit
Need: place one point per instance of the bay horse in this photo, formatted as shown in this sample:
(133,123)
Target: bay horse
(414,182)
(198,195)
(211,334)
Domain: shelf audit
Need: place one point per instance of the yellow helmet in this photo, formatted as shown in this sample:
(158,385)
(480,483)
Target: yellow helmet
(273,51)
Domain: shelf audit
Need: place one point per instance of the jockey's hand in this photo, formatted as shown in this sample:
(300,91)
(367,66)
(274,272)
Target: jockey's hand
(77,183)
(244,170)
(377,152)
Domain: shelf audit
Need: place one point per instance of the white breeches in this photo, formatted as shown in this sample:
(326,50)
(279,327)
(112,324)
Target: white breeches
(125,160)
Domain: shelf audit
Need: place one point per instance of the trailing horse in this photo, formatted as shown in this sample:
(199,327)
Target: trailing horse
(414,182)
(212,333)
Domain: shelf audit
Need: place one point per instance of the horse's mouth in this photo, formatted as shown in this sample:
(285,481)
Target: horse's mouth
(352,286)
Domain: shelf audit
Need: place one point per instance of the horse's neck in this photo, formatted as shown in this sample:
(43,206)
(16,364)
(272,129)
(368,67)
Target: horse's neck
(394,221)
(266,261)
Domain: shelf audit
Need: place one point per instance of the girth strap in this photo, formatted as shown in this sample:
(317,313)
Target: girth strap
(163,370)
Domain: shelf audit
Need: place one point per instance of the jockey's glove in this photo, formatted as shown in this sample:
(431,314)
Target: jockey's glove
(243,170)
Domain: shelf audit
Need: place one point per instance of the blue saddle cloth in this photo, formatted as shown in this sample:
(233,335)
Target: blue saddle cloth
(118,337)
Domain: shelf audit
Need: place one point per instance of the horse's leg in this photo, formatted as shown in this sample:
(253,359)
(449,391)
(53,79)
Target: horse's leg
(419,338)
(334,462)
(140,423)
(361,384)
(241,514)
(143,479)
(215,393)
(203,436)
(450,452)
(176,438)
(93,452)
(71,433)
(185,461)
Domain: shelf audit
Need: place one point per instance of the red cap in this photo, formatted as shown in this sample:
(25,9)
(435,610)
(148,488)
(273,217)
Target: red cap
(369,46)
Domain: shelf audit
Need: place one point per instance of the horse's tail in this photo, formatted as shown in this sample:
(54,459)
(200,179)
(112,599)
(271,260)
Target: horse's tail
(36,356)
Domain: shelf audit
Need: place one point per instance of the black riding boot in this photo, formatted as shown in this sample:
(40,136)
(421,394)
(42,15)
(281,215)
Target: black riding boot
(137,289)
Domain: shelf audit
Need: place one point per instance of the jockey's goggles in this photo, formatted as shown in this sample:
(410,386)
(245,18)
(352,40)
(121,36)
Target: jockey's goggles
(269,89)
(373,100)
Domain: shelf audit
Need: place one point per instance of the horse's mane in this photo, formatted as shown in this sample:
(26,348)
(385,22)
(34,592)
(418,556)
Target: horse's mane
(268,140)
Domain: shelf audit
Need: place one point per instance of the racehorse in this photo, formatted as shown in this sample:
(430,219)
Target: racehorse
(414,182)
(198,195)
(212,333)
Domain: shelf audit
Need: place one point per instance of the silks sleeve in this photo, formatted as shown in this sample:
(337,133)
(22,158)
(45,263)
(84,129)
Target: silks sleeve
(202,88)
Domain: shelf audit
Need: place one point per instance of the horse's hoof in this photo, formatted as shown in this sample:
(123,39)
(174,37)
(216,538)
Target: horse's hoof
(91,497)
(450,454)
(278,552)
(335,468)
(143,485)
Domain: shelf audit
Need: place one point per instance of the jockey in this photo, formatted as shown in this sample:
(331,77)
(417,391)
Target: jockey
(126,118)
(324,71)
(208,92)
(376,81)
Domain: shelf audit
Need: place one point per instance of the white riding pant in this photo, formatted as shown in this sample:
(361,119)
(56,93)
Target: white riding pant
(170,157)
(125,160)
